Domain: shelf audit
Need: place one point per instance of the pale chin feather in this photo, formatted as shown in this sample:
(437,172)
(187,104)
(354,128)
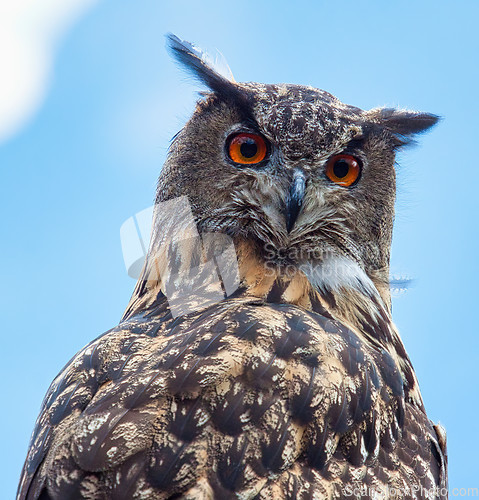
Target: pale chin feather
(337,274)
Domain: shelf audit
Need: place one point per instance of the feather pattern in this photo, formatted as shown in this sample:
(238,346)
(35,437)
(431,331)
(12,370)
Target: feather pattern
(205,402)
(294,382)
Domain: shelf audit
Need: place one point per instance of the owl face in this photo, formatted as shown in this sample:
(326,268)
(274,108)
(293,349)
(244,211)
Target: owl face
(301,176)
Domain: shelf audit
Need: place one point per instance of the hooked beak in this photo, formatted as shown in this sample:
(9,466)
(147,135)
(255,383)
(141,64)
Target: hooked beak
(295,198)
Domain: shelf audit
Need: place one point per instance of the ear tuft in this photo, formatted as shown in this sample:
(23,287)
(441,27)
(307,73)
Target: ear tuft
(403,123)
(217,77)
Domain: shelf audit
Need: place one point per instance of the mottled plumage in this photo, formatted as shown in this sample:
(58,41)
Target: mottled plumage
(297,385)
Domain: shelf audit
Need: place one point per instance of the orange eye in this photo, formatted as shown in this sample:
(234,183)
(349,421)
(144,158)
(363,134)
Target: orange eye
(343,169)
(247,149)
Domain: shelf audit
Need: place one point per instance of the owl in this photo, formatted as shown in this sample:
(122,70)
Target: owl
(257,357)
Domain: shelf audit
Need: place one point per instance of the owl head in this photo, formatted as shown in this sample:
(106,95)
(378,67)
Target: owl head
(302,182)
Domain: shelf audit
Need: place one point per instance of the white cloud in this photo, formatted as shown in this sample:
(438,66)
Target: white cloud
(29,33)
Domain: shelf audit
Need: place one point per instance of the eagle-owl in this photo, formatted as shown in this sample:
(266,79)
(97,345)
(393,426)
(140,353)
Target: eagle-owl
(294,384)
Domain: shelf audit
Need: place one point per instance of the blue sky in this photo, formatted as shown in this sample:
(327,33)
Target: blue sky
(90,153)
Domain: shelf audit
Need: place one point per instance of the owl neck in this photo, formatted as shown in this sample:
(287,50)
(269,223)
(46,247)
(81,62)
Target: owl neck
(337,288)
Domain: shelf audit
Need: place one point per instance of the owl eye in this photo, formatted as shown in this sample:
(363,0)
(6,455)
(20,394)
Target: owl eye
(343,169)
(246,149)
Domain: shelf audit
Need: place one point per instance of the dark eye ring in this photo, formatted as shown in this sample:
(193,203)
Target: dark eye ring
(344,169)
(246,148)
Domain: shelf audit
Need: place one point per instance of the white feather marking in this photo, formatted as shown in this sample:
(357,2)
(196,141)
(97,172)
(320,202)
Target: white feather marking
(337,273)
(217,63)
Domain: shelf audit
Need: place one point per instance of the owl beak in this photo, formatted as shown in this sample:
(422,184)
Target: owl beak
(295,198)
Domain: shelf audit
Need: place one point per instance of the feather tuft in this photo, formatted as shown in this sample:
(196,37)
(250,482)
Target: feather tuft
(215,74)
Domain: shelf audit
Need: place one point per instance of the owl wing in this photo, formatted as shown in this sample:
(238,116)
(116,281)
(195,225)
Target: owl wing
(246,399)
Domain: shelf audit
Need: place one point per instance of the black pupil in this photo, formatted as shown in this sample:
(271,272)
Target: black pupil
(248,148)
(341,169)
